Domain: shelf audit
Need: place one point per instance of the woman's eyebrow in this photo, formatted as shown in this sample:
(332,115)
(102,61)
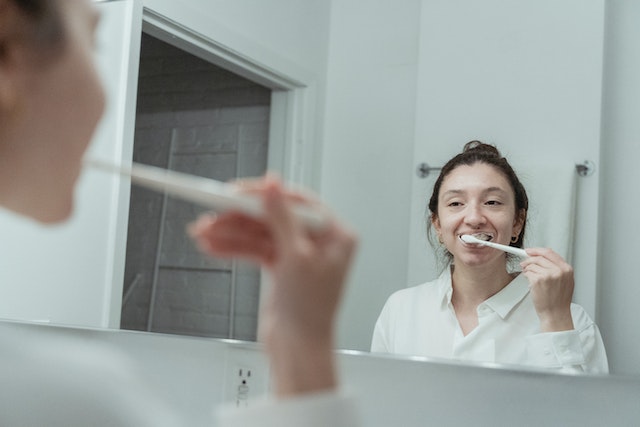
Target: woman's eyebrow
(494,190)
(489,190)
(452,192)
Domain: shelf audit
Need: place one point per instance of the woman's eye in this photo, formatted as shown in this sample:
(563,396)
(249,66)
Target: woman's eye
(493,202)
(454,204)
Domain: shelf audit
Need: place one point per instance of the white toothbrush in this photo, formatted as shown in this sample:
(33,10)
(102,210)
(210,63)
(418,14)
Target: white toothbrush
(510,249)
(206,192)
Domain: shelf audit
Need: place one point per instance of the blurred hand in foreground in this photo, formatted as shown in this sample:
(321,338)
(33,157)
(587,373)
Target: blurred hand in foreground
(307,268)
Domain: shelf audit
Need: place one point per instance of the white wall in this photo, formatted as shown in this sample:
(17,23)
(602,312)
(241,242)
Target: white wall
(280,33)
(368,148)
(526,76)
(68,273)
(620,200)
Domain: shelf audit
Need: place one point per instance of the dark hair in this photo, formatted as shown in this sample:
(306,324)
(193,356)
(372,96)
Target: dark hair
(479,152)
(45,29)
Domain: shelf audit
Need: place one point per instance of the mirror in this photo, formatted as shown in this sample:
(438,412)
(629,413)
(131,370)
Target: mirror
(393,87)
(500,66)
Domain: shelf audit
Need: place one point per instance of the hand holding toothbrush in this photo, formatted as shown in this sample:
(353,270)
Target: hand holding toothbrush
(551,285)
(307,269)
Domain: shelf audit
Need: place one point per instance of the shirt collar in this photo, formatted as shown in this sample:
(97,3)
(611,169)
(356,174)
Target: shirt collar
(444,282)
(502,302)
(510,296)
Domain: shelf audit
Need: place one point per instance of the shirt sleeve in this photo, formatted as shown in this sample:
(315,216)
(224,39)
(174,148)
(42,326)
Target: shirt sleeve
(312,410)
(379,342)
(580,350)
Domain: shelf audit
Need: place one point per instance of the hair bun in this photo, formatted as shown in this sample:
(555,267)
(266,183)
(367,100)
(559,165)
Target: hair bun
(480,146)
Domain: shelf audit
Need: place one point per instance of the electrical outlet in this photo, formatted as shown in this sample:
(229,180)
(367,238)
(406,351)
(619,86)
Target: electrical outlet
(244,385)
(246,376)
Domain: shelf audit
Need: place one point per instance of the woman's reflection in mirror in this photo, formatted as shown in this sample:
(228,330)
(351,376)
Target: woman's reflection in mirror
(481,308)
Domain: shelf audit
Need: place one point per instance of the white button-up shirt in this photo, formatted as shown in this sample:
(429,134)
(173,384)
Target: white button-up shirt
(421,321)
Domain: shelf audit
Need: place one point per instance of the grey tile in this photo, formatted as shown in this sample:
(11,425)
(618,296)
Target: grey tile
(192,302)
(206,139)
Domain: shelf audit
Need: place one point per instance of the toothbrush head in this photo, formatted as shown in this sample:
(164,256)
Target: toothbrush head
(478,238)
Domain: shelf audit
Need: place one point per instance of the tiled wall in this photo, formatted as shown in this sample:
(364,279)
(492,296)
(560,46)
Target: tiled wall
(196,118)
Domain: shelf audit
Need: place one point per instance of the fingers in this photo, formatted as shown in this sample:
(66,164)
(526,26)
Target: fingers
(257,186)
(545,253)
(286,230)
(550,278)
(278,233)
(545,258)
(233,235)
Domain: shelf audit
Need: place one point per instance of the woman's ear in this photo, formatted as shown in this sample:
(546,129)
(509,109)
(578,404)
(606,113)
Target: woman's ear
(518,222)
(435,222)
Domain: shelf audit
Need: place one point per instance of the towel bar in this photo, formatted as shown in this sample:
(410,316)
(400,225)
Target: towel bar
(585,168)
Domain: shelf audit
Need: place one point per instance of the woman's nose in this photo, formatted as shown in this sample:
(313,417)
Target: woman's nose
(474,215)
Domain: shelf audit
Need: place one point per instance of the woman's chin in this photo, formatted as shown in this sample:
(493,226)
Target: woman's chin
(474,260)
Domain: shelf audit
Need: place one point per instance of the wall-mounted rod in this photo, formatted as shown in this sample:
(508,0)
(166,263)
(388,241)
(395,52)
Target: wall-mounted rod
(585,168)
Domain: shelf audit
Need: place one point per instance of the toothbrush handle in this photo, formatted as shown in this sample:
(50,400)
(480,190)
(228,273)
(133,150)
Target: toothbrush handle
(203,191)
(510,249)
(516,251)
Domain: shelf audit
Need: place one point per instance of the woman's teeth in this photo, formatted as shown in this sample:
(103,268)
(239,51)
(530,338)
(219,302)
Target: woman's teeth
(483,236)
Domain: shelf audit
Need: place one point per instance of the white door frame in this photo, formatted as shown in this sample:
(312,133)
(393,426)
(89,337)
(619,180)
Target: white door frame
(292,101)
(292,151)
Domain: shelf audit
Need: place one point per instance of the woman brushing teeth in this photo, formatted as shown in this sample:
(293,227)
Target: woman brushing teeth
(480,309)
